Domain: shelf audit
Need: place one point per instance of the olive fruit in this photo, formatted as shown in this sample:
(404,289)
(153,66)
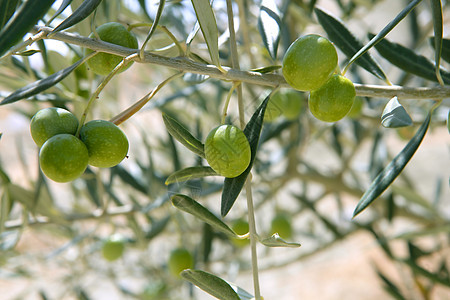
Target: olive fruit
(51,121)
(332,101)
(63,158)
(114,33)
(106,143)
(288,104)
(241,227)
(281,224)
(179,260)
(309,62)
(356,109)
(113,248)
(227,150)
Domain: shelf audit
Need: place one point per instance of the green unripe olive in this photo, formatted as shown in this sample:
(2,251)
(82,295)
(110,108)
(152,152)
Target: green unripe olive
(113,248)
(63,158)
(227,150)
(114,33)
(332,101)
(309,62)
(51,121)
(241,227)
(288,104)
(281,224)
(179,260)
(106,143)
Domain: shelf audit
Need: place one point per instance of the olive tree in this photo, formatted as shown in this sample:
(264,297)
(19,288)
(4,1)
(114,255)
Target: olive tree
(177,145)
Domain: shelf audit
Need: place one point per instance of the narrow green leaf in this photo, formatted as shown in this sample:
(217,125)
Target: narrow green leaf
(190,173)
(347,42)
(154,25)
(28,52)
(265,70)
(182,135)
(61,8)
(276,241)
(407,60)
(390,287)
(81,13)
(438,24)
(445,54)
(40,85)
(393,169)
(189,205)
(233,186)
(129,179)
(269,25)
(7,9)
(211,284)
(384,31)
(208,26)
(21,22)
(394,115)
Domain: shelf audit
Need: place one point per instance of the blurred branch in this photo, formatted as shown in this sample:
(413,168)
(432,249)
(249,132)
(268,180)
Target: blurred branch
(272,80)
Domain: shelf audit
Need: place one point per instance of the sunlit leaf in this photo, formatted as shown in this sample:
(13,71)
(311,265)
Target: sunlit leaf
(81,13)
(211,284)
(347,42)
(394,115)
(28,14)
(407,60)
(393,169)
(269,25)
(208,26)
(40,85)
(182,135)
(190,173)
(233,186)
(276,241)
(191,206)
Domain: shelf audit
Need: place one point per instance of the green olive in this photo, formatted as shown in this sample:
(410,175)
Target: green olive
(51,121)
(114,33)
(63,158)
(286,103)
(106,143)
(240,226)
(227,150)
(113,248)
(179,260)
(281,224)
(309,62)
(332,101)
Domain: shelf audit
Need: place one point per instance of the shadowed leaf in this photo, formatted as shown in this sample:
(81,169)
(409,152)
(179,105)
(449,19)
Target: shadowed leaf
(61,8)
(407,60)
(436,8)
(190,173)
(7,9)
(393,169)
(182,135)
(191,206)
(21,22)
(40,85)
(211,284)
(233,186)
(81,13)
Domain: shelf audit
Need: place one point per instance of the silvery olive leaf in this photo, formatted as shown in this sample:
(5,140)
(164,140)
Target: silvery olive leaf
(394,115)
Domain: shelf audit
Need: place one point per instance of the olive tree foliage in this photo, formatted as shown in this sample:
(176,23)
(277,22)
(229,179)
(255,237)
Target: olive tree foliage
(204,63)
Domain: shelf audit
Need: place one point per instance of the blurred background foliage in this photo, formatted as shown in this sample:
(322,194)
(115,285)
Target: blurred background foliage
(307,173)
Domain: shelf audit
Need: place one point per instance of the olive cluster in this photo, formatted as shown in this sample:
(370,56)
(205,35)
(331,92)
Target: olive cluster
(64,156)
(310,65)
